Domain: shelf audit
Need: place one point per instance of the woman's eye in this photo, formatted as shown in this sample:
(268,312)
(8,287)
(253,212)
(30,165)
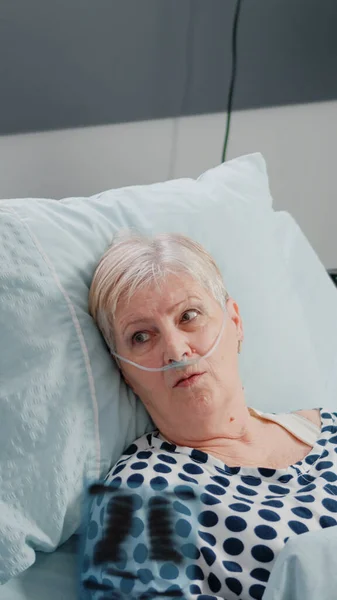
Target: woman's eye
(137,338)
(192,310)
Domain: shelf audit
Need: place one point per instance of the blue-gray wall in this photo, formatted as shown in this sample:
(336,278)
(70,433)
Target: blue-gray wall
(69,63)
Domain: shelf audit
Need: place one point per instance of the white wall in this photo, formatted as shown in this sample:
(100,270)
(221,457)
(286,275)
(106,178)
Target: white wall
(298,142)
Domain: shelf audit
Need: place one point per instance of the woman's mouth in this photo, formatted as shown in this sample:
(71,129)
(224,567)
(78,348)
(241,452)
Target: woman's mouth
(190,380)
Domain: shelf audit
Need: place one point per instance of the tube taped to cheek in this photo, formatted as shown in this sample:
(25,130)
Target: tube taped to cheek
(180,363)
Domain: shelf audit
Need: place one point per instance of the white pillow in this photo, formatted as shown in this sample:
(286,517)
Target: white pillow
(318,297)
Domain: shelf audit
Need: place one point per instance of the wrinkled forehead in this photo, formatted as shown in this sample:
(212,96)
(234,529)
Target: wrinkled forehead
(160,297)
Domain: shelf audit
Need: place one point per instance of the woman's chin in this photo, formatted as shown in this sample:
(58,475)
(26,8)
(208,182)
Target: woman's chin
(200,402)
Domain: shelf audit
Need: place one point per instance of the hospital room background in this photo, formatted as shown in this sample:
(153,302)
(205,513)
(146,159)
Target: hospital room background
(100,95)
(96,95)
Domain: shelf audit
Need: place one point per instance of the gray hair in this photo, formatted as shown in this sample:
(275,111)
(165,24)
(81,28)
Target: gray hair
(135,260)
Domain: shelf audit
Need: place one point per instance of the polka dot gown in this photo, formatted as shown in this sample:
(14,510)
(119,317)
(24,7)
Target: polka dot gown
(245,515)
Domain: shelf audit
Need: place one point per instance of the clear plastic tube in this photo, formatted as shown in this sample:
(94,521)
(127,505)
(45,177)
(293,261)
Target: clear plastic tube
(176,364)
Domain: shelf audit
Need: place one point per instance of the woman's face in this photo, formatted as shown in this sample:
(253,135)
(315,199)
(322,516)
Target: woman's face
(165,323)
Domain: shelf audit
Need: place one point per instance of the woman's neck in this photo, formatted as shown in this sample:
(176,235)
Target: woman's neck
(238,437)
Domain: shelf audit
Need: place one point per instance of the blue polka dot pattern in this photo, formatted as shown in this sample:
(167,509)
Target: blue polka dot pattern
(214,583)
(233,470)
(260,574)
(233,546)
(278,489)
(194,572)
(330,505)
(298,527)
(207,537)
(115,483)
(145,575)
(181,508)
(137,501)
(126,585)
(144,455)
(137,527)
(285,478)
(208,518)
(199,456)
(275,503)
(190,551)
(267,472)
(169,571)
(167,459)
(305,498)
(168,447)
(242,499)
(221,480)
(183,492)
(140,553)
(269,515)
(174,588)
(329,428)
(183,528)
(249,480)
(262,553)
(235,524)
(331,489)
(308,488)
(229,523)
(324,464)
(238,507)
(302,511)
(256,591)
(215,489)
(132,449)
(232,566)
(329,476)
(305,479)
(119,469)
(208,499)
(135,480)
(246,491)
(265,532)
(192,469)
(209,555)
(187,478)
(311,459)
(138,466)
(234,585)
(162,468)
(158,483)
(326,521)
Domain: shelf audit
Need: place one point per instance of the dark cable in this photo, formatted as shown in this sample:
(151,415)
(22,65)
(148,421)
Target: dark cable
(233,77)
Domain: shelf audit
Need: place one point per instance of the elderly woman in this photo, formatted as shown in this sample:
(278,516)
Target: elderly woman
(160,303)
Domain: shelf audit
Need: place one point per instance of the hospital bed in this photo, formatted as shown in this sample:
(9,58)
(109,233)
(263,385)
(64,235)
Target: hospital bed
(306,565)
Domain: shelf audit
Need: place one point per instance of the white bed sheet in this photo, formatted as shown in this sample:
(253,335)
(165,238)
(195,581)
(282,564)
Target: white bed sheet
(54,576)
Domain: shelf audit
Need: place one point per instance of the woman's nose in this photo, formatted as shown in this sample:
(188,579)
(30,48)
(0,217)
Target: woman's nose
(176,346)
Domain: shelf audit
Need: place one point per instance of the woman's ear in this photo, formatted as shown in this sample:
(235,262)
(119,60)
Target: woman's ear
(234,314)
